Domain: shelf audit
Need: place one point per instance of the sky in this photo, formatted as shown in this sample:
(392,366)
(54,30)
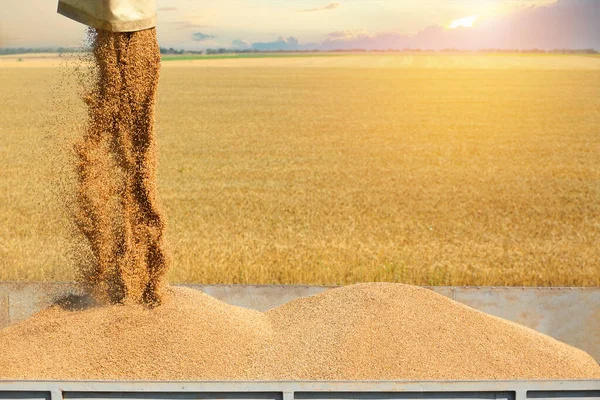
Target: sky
(326,25)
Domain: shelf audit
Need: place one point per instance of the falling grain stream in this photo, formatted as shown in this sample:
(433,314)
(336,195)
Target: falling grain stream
(117,210)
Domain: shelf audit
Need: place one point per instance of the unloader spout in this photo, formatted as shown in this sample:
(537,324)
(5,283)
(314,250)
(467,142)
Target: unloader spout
(111,15)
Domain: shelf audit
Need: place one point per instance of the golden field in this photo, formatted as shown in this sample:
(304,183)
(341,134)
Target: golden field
(431,169)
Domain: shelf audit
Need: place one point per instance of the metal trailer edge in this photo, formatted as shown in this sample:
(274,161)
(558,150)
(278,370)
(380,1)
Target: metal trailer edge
(302,390)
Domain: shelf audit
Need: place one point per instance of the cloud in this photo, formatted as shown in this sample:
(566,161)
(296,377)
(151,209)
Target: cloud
(348,34)
(282,43)
(565,24)
(167,9)
(329,6)
(199,36)
(188,24)
(240,44)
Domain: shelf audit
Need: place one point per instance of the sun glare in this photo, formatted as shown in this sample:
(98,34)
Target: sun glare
(466,22)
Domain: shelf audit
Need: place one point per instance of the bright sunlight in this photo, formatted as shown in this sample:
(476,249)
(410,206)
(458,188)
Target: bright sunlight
(466,22)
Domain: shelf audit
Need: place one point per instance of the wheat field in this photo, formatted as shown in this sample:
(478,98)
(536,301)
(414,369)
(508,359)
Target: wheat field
(429,169)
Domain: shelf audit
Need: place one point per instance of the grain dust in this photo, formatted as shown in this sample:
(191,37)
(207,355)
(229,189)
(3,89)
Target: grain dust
(117,210)
(368,332)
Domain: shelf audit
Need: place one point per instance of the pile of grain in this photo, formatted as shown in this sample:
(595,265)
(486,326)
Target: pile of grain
(368,331)
(392,331)
(117,209)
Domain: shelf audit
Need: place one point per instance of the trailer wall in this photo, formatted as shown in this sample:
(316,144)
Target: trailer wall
(501,390)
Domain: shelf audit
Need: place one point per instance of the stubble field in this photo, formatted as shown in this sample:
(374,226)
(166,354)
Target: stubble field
(441,169)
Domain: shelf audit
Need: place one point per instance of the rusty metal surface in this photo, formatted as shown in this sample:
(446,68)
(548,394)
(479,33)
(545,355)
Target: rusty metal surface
(571,315)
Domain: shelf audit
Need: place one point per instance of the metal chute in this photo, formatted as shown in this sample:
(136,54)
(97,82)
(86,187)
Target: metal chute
(111,15)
